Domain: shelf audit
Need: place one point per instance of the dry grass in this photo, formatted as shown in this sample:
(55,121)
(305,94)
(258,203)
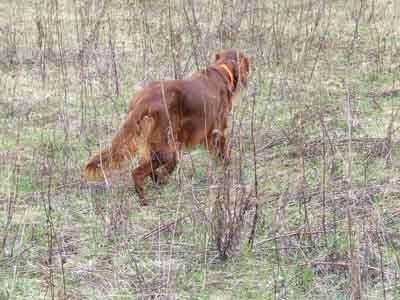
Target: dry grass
(315,144)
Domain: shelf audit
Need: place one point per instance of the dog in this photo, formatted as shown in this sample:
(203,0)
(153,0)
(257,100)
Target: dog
(166,116)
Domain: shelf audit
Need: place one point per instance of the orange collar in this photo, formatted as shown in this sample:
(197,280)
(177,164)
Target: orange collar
(226,68)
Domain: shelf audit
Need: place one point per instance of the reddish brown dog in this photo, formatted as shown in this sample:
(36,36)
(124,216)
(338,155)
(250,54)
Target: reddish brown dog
(167,115)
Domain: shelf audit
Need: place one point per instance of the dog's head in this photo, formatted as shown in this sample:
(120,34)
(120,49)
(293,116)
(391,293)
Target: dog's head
(237,62)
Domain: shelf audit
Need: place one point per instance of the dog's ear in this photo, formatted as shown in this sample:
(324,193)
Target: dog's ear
(244,68)
(216,57)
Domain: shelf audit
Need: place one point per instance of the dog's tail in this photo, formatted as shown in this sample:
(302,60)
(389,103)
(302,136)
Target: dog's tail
(131,139)
(102,161)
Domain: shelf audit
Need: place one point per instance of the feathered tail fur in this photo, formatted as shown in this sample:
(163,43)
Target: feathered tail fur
(131,139)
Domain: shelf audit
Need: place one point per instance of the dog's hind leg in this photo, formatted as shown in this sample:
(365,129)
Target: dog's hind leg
(162,164)
(169,162)
(145,168)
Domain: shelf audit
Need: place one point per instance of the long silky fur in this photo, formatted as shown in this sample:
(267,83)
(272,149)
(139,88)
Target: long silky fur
(98,163)
(111,158)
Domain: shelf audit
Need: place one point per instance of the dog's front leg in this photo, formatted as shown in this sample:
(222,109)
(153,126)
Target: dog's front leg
(219,147)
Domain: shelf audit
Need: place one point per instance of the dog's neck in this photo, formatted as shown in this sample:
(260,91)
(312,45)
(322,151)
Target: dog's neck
(230,74)
(231,78)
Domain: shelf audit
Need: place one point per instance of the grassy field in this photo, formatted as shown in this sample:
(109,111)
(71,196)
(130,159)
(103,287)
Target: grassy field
(315,152)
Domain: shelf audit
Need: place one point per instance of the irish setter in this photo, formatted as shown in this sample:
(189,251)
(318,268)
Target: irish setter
(168,115)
